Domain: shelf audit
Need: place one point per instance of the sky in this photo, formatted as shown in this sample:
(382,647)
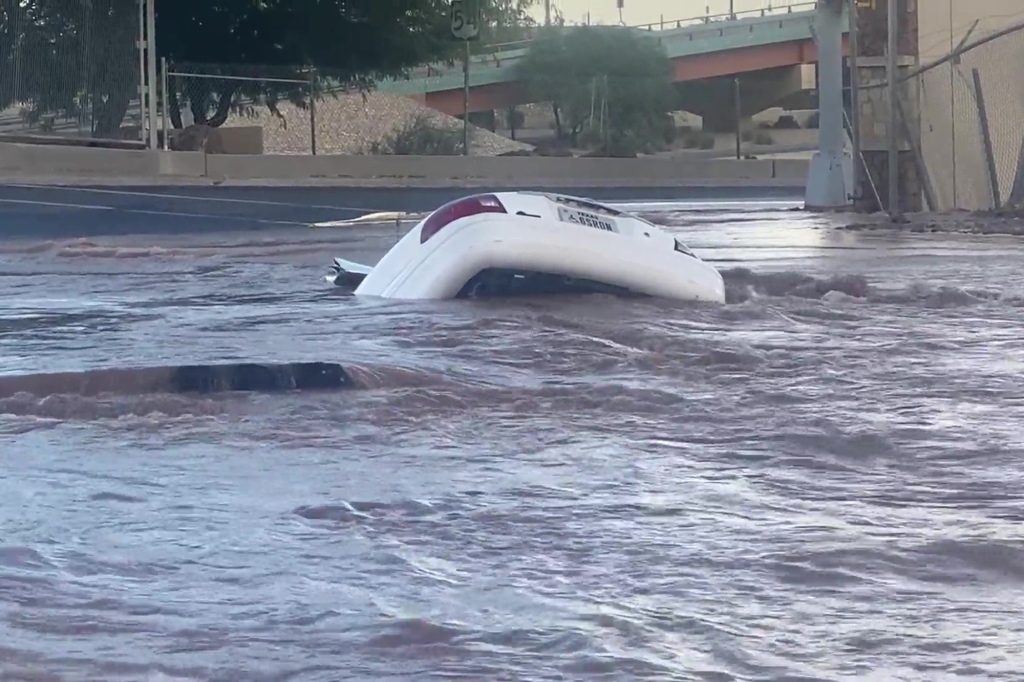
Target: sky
(647,11)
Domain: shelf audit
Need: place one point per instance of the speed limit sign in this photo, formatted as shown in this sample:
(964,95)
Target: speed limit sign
(465,19)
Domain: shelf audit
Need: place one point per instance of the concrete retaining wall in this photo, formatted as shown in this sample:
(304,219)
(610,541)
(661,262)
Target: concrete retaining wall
(39,159)
(53,161)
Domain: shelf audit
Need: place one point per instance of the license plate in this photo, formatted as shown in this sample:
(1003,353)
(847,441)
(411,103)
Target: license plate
(571,215)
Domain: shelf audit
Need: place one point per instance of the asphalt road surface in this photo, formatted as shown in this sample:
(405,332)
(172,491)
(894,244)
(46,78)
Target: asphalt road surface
(53,212)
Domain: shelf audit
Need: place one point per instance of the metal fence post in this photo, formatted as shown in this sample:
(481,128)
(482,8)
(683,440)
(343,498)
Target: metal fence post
(986,137)
(915,150)
(1016,198)
(17,57)
(151,69)
(165,102)
(312,110)
(738,105)
(142,71)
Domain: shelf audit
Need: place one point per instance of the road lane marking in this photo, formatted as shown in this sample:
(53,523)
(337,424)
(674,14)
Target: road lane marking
(207,216)
(140,211)
(57,204)
(189,197)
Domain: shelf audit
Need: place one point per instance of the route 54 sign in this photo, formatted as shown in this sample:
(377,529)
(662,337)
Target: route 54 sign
(465,15)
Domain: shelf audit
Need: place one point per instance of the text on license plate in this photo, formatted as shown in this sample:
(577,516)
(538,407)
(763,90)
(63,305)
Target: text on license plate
(571,215)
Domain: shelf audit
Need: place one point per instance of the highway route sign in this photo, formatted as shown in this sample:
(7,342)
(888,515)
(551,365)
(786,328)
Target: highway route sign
(465,16)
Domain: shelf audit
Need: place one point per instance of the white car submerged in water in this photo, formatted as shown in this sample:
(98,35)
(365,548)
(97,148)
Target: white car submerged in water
(509,243)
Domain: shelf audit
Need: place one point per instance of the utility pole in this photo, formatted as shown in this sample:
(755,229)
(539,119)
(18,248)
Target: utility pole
(893,140)
(151,70)
(547,12)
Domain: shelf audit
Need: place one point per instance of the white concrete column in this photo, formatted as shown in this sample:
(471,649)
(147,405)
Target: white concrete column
(827,179)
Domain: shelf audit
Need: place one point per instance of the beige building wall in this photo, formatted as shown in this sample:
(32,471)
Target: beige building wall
(951,139)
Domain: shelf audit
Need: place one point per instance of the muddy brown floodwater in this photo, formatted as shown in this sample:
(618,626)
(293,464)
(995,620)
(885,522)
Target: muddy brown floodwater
(820,480)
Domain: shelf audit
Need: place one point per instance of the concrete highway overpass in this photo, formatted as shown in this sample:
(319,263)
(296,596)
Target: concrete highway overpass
(773,53)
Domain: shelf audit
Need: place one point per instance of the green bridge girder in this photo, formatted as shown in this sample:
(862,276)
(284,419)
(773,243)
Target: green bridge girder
(686,41)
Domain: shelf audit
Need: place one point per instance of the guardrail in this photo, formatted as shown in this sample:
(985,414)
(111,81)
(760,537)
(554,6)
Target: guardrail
(671,24)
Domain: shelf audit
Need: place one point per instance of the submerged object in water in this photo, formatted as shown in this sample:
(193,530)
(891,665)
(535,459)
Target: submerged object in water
(236,376)
(249,376)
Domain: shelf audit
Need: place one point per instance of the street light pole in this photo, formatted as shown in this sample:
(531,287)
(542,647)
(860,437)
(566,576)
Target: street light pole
(151,70)
(893,140)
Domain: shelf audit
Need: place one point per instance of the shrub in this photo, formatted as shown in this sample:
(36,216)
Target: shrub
(421,136)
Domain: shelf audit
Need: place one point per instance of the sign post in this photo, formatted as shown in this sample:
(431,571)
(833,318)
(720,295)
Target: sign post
(465,18)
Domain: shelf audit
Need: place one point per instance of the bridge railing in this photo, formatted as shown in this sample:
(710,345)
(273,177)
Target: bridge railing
(671,24)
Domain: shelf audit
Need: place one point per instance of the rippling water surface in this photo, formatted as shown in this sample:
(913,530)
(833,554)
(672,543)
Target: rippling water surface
(820,480)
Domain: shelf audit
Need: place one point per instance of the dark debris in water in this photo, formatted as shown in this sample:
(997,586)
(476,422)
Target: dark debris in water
(258,377)
(182,379)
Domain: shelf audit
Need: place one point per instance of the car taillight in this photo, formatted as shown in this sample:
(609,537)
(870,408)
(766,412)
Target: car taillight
(460,208)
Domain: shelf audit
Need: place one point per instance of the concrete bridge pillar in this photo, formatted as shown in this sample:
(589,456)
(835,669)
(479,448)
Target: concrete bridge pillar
(827,186)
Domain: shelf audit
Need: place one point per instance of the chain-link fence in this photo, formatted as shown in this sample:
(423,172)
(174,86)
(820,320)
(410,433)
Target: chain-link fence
(972,123)
(966,116)
(242,110)
(258,110)
(301,111)
(69,69)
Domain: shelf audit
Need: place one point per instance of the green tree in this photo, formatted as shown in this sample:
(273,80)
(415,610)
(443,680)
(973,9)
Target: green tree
(68,55)
(63,52)
(506,21)
(610,81)
(351,44)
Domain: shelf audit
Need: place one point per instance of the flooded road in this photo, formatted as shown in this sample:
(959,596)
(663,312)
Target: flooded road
(820,480)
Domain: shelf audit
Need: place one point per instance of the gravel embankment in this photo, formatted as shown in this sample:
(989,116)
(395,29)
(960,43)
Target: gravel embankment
(351,124)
